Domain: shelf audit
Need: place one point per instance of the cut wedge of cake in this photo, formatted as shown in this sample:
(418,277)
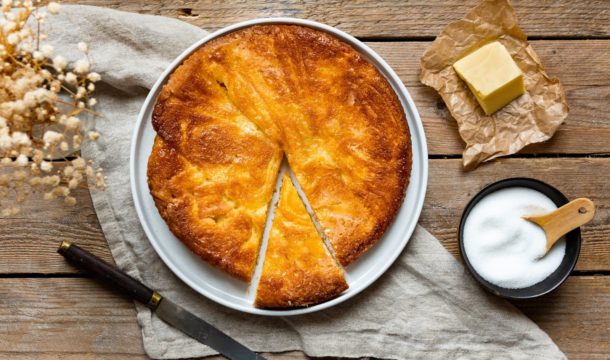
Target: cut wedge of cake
(298,269)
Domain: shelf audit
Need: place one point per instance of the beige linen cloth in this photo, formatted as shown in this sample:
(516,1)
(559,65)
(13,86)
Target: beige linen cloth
(425,306)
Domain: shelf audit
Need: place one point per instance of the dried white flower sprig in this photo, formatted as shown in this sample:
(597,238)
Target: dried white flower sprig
(46,111)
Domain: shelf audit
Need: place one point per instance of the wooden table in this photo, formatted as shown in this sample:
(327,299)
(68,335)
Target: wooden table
(49,309)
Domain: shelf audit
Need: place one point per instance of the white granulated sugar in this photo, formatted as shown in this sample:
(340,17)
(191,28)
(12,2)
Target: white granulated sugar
(506,249)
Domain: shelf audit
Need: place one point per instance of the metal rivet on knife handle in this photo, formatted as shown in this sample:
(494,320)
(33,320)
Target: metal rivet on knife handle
(154,301)
(64,246)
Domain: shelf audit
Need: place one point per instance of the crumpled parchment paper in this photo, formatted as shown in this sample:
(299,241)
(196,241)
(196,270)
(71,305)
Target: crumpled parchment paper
(529,119)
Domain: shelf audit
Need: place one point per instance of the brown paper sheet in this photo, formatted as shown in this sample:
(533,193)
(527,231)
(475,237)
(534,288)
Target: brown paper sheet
(531,118)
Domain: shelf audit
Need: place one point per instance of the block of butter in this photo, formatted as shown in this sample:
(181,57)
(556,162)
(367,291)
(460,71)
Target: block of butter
(492,76)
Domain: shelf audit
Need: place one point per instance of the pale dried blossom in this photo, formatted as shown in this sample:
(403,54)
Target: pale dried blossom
(46,110)
(82,66)
(46,166)
(71,78)
(83,47)
(94,135)
(79,163)
(100,180)
(53,7)
(51,138)
(46,50)
(68,171)
(72,123)
(94,77)
(21,160)
(60,63)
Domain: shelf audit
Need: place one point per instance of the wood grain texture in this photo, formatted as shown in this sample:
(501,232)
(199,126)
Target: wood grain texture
(74,318)
(41,226)
(380,19)
(81,319)
(586,75)
(30,245)
(582,66)
(576,316)
(450,189)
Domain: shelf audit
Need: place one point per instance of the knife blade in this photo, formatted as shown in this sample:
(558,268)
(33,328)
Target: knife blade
(166,310)
(203,332)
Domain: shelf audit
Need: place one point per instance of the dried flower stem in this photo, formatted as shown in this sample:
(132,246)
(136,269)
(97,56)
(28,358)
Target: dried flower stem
(46,108)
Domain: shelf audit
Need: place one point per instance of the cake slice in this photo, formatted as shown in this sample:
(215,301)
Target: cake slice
(220,218)
(298,269)
(211,171)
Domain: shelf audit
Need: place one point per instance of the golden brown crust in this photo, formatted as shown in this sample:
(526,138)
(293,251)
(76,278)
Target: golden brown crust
(211,171)
(213,218)
(300,91)
(298,269)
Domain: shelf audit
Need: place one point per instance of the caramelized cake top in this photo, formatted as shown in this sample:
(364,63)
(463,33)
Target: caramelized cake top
(239,102)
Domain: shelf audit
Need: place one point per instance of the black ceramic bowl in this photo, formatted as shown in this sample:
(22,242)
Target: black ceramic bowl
(572,242)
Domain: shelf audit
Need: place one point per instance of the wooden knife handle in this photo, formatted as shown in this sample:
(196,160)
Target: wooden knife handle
(128,285)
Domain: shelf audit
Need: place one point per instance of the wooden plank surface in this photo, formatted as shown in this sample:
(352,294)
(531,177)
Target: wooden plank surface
(40,227)
(381,19)
(582,66)
(450,189)
(57,317)
(72,318)
(76,318)
(31,244)
(576,316)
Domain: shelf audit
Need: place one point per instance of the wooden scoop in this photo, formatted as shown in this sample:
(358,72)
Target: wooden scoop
(559,222)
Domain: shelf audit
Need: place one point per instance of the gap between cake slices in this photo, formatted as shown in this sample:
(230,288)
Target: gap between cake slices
(298,269)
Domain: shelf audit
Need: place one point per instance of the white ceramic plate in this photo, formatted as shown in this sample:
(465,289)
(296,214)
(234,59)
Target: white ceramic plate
(217,285)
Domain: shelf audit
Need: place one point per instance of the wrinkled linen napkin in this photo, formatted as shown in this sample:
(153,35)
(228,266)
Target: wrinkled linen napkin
(426,305)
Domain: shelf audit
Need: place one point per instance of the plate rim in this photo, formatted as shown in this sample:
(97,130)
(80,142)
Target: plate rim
(415,131)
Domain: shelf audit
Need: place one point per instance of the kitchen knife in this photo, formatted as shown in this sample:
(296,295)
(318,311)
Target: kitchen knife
(166,310)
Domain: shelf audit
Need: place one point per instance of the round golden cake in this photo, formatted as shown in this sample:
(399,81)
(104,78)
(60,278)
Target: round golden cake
(239,104)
